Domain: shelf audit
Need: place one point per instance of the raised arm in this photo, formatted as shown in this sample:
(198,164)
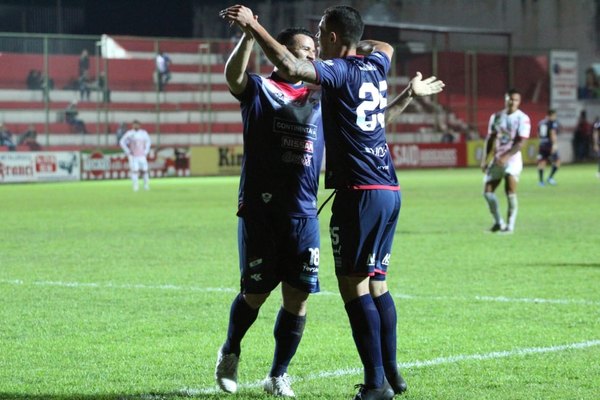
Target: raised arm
(235,67)
(366,47)
(417,87)
(278,54)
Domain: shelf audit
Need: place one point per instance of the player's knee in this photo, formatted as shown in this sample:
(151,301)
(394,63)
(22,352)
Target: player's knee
(352,287)
(295,306)
(294,300)
(256,300)
(377,287)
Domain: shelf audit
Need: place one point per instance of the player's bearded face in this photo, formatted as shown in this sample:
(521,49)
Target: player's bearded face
(303,47)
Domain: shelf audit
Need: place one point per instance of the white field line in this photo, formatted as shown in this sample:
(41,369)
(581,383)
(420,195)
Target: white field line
(110,285)
(420,364)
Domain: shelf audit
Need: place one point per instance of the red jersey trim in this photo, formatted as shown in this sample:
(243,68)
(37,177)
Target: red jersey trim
(375,187)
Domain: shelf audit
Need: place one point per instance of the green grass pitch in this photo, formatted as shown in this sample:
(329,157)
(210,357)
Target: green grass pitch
(110,294)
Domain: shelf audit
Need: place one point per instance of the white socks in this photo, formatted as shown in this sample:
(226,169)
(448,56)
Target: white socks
(492,201)
(513,207)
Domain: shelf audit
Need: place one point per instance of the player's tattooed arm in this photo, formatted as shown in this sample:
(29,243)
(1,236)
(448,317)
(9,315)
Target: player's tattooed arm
(295,69)
(289,66)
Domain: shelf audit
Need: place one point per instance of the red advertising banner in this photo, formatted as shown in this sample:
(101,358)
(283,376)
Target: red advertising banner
(428,155)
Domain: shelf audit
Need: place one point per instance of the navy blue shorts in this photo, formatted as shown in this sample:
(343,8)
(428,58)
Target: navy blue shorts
(274,249)
(545,153)
(362,229)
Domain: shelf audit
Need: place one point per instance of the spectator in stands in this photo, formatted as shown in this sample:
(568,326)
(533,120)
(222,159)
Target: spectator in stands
(163,70)
(591,87)
(6,138)
(84,87)
(29,139)
(447,137)
(581,138)
(84,64)
(71,113)
(34,79)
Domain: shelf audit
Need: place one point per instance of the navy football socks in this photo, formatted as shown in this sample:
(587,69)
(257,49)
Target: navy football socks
(288,333)
(387,314)
(241,318)
(365,324)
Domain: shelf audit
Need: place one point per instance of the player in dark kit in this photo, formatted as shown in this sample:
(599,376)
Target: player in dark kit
(360,169)
(548,147)
(278,227)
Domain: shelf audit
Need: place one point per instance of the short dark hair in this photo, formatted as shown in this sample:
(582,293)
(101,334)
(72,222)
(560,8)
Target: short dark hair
(551,111)
(286,36)
(346,22)
(512,91)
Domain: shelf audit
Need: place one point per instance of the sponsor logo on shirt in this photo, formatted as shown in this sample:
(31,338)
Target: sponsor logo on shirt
(297,144)
(295,129)
(298,159)
(379,151)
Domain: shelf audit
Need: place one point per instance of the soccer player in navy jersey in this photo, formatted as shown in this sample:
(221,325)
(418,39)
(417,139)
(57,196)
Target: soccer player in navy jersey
(278,230)
(359,167)
(548,147)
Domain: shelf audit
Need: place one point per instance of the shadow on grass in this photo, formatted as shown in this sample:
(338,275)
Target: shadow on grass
(565,264)
(141,396)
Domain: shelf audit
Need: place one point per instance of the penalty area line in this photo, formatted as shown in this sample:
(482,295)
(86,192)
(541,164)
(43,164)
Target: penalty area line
(417,364)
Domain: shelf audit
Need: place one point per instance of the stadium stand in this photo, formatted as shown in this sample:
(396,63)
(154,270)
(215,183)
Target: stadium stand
(196,101)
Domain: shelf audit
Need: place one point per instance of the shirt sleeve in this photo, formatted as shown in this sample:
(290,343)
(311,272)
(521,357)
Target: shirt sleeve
(491,124)
(250,90)
(331,73)
(123,143)
(148,144)
(381,59)
(524,126)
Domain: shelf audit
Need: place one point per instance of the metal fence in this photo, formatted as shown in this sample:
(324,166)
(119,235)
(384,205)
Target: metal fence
(48,84)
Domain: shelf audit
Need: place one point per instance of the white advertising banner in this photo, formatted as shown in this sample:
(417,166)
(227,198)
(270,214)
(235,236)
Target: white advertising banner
(563,87)
(39,166)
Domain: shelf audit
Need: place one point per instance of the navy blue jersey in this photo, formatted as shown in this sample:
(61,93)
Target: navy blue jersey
(544,127)
(283,146)
(354,98)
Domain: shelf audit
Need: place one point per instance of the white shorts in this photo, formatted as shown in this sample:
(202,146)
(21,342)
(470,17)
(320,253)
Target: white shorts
(496,173)
(137,163)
